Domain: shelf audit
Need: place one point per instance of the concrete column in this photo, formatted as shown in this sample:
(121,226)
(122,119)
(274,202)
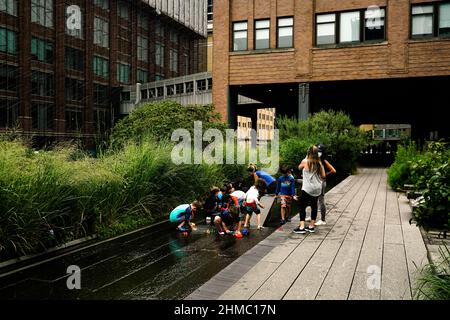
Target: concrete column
(303,101)
(232,107)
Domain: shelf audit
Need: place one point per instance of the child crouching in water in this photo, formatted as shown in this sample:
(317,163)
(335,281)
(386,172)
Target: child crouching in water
(184,213)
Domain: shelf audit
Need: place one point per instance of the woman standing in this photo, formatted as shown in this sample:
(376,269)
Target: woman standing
(313,173)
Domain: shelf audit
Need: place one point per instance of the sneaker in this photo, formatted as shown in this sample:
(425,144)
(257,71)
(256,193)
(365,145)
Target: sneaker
(308,219)
(298,230)
(260,228)
(282,222)
(221,233)
(320,223)
(310,230)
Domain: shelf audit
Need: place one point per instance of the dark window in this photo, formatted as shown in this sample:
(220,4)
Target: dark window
(123,73)
(180,88)
(210,83)
(9,113)
(240,36)
(262,34)
(143,21)
(42,50)
(123,10)
(74,90)
(74,59)
(42,12)
(142,76)
(125,96)
(170,90)
(201,85)
(444,19)
(285,32)
(152,92)
(101,67)
(144,94)
(142,47)
(43,115)
(8,41)
(374,24)
(42,84)
(160,91)
(101,95)
(74,119)
(189,87)
(8,77)
(124,40)
(210,10)
(159,54)
(101,32)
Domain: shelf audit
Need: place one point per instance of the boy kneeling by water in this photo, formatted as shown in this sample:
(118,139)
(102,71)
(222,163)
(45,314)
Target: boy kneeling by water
(226,220)
(252,204)
(184,213)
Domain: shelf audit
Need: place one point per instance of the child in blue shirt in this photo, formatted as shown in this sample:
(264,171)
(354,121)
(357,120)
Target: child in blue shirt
(286,191)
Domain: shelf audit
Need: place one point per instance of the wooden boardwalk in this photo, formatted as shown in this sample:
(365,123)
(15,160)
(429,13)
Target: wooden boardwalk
(367,250)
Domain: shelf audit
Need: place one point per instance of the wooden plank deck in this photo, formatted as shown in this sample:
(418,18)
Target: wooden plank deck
(367,250)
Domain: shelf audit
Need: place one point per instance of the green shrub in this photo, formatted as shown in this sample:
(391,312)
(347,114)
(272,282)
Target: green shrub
(434,282)
(399,173)
(335,130)
(159,119)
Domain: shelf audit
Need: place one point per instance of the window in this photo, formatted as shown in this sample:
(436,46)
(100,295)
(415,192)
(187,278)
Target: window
(9,113)
(101,95)
(76,32)
(9,77)
(159,48)
(159,77)
(9,6)
(144,94)
(74,59)
(444,19)
(42,84)
(41,50)
(125,96)
(201,85)
(262,30)
(124,38)
(152,93)
(374,24)
(326,26)
(143,21)
(142,76)
(43,115)
(123,10)
(170,90)
(42,12)
(430,20)
(8,41)
(240,36)
(159,29)
(285,32)
(189,87)
(74,119)
(210,84)
(349,26)
(210,10)
(74,90)
(174,36)
(160,91)
(101,67)
(180,88)
(101,32)
(104,4)
(123,73)
(142,44)
(174,60)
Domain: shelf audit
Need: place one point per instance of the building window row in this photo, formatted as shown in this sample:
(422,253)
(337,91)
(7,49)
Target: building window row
(8,41)
(285,31)
(42,12)
(42,50)
(430,20)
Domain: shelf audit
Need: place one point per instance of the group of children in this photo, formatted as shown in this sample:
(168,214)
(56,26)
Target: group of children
(231,207)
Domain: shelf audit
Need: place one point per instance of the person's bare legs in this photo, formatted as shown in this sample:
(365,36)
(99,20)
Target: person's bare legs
(247,220)
(218,224)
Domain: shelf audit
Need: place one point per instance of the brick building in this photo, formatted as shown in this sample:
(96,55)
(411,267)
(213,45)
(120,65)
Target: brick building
(63,62)
(378,60)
